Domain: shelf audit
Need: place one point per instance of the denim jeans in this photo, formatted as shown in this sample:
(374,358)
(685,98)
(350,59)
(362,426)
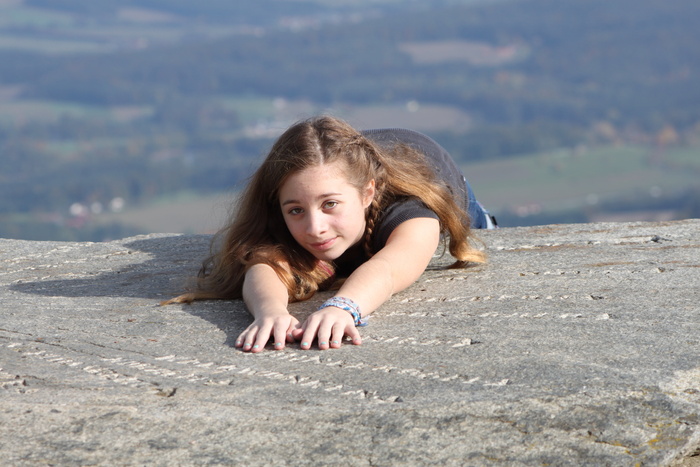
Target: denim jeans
(476,211)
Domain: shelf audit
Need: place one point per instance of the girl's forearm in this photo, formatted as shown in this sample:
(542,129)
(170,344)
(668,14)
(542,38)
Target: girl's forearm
(263,291)
(266,298)
(392,269)
(370,285)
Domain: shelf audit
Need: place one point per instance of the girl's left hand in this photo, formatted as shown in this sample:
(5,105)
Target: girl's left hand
(329,325)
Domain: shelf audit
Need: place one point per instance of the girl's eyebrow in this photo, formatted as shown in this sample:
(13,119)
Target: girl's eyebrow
(319,197)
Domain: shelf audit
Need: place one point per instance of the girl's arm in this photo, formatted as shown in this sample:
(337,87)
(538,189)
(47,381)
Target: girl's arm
(266,298)
(396,266)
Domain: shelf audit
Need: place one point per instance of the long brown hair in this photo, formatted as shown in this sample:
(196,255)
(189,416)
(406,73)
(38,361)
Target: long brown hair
(257,233)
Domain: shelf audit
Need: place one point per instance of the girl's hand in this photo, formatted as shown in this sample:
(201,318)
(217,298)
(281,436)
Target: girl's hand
(279,326)
(329,326)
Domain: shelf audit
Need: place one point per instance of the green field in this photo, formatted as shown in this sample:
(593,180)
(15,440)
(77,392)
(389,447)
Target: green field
(40,111)
(181,213)
(571,179)
(59,33)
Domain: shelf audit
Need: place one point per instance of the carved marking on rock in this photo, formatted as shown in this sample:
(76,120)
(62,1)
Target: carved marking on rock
(138,373)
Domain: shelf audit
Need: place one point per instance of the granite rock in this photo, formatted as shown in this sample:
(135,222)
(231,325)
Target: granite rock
(574,345)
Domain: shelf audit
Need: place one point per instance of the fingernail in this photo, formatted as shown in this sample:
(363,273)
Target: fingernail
(323,343)
(278,344)
(304,343)
(335,342)
(256,346)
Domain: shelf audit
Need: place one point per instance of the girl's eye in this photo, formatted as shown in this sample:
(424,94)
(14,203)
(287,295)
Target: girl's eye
(330,204)
(295,211)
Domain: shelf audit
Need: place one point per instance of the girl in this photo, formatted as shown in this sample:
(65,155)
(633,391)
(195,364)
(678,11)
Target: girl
(331,202)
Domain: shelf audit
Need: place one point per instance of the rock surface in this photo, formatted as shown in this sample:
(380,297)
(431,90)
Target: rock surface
(574,345)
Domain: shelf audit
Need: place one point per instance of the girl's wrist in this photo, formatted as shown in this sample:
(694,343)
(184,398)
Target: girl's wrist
(348,305)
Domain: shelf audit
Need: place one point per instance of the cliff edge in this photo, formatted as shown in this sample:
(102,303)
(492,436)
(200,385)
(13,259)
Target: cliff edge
(575,344)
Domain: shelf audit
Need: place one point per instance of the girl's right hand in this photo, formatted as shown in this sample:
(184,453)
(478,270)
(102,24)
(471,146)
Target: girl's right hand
(278,326)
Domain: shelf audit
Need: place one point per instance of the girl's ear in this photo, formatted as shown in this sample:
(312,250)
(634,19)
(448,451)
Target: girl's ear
(370,191)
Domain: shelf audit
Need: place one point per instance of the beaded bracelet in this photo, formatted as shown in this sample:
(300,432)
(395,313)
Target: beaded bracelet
(349,306)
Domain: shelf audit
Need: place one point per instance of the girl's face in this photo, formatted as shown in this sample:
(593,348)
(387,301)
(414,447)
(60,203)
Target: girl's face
(324,213)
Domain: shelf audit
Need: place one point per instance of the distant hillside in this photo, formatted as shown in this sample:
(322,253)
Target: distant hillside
(143,99)
(578,62)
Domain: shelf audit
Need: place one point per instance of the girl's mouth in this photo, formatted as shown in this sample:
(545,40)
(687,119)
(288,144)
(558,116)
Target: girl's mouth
(324,245)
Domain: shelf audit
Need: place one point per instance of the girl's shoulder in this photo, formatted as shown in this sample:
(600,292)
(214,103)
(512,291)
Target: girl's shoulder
(396,213)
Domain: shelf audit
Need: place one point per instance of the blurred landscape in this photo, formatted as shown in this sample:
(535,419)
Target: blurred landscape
(142,116)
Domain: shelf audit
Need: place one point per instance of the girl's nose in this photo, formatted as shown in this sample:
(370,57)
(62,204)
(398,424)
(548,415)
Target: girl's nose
(316,224)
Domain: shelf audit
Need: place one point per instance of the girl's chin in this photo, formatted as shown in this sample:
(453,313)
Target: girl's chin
(326,256)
